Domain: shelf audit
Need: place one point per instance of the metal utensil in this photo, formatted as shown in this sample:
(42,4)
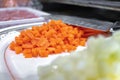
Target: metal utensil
(115,26)
(88,23)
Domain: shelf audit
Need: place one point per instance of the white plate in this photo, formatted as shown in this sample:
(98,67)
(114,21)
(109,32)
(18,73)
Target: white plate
(16,66)
(6,36)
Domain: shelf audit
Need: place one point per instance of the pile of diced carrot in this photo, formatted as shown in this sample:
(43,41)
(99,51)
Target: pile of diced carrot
(53,37)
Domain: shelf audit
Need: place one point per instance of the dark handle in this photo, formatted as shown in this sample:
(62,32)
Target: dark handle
(116,26)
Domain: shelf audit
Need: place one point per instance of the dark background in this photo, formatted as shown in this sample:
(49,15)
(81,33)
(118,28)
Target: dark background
(90,12)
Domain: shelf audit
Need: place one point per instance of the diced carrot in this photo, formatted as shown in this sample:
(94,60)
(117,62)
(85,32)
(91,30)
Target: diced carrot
(18,40)
(50,38)
(27,45)
(28,55)
(27,51)
(42,52)
(29,34)
(25,39)
(12,45)
(34,52)
(18,49)
(34,42)
(51,49)
(59,49)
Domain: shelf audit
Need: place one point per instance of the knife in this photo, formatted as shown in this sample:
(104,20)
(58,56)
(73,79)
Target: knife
(94,24)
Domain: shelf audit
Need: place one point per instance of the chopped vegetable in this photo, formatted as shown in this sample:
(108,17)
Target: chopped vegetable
(50,38)
(99,61)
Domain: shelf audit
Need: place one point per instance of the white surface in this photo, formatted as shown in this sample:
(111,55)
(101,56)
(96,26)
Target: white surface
(26,68)
(4,75)
(23,68)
